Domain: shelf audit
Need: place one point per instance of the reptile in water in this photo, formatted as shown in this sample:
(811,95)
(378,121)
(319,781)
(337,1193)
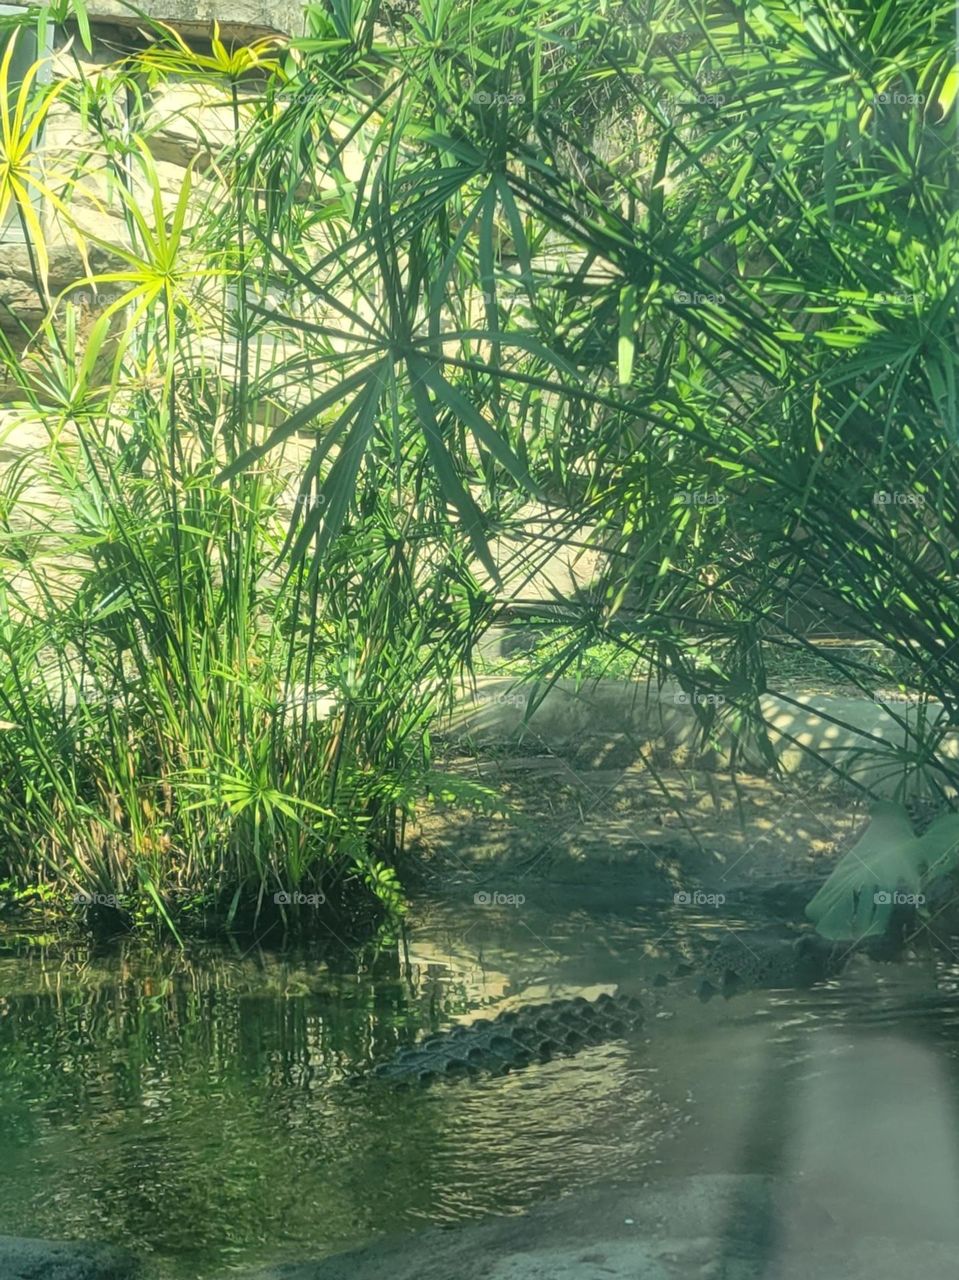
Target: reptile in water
(743,962)
(740,962)
(540,1032)
(514,1039)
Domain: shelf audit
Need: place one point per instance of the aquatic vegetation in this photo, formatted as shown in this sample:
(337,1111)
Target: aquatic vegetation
(188,727)
(196,734)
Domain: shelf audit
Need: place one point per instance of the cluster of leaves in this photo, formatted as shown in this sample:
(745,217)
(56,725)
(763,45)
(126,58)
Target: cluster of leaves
(720,348)
(887,864)
(192,727)
(725,355)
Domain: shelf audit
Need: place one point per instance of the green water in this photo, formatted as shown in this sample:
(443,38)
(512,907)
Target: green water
(195,1107)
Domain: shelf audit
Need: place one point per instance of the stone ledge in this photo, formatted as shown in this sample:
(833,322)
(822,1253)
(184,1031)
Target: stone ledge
(868,742)
(710,1226)
(242,20)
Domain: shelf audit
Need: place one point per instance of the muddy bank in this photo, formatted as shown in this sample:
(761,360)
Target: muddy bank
(649,831)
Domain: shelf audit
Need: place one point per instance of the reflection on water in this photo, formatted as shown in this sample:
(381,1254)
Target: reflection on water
(196,1107)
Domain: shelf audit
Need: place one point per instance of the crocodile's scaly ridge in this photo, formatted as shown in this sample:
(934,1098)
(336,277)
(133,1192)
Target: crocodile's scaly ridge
(514,1039)
(539,1032)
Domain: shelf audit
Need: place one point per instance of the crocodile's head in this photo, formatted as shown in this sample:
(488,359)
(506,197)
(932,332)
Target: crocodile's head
(744,963)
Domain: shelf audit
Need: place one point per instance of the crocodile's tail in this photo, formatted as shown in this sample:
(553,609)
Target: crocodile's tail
(513,1040)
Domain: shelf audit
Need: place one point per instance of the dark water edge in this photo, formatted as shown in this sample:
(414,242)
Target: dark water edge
(194,1106)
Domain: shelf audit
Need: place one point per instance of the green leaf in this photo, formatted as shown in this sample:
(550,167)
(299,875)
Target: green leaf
(627,333)
(451,486)
(486,435)
(339,487)
(947,94)
(79,10)
(856,900)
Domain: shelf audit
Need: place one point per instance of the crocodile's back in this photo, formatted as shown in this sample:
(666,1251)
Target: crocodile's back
(513,1040)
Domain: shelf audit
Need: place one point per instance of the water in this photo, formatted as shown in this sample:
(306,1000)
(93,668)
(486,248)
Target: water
(195,1108)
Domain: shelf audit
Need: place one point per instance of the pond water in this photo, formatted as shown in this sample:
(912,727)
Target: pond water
(194,1107)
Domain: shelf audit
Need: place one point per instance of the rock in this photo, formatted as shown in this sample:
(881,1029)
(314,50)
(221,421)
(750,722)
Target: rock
(685,1219)
(240,19)
(19,302)
(706,1227)
(25,1259)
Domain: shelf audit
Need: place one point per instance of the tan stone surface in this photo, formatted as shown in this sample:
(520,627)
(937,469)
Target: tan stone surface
(244,18)
(555,814)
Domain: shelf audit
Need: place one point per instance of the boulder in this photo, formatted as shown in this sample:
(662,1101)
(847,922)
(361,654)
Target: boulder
(25,1259)
(707,1227)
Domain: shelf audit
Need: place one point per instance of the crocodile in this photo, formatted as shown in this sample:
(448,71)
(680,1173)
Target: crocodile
(539,1032)
(744,962)
(514,1039)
